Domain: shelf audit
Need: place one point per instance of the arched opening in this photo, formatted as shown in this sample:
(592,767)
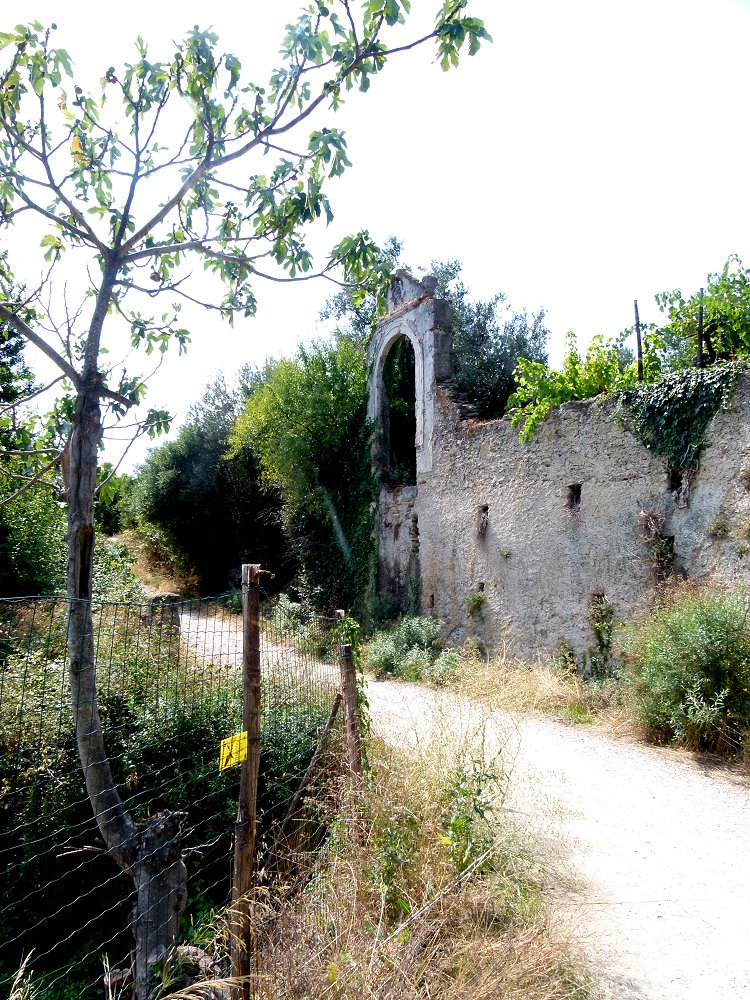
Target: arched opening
(400,415)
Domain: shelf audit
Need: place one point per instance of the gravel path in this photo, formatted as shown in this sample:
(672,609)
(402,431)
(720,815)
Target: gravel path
(659,842)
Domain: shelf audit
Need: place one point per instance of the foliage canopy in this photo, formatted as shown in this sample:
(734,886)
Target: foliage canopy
(306,422)
(207,506)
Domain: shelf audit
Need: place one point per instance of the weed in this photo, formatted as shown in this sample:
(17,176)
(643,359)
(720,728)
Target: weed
(22,987)
(444,668)
(660,546)
(577,714)
(475,603)
(548,685)
(718,528)
(601,615)
(566,657)
(408,650)
(467,819)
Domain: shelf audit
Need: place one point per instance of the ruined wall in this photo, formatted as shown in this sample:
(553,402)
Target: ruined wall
(545,528)
(563,520)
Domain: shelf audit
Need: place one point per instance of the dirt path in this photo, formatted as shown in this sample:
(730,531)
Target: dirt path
(660,844)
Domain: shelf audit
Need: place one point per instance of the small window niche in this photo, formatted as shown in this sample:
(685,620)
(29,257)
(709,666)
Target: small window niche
(483,519)
(573,497)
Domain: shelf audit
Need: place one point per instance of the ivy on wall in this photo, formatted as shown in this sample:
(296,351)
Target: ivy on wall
(671,416)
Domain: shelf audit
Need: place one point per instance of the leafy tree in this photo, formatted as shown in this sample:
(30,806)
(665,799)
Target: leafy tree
(16,385)
(355,315)
(488,342)
(32,542)
(209,507)
(726,319)
(668,351)
(306,422)
(113,490)
(91,173)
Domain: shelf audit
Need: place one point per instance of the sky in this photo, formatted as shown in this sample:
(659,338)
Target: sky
(594,154)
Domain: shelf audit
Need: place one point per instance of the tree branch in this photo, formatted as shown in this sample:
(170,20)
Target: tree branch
(25,330)
(33,479)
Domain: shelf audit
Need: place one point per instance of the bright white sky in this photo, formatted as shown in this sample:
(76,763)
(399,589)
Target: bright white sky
(596,153)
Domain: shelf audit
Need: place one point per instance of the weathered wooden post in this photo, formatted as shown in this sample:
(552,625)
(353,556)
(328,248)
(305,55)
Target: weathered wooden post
(244,828)
(352,728)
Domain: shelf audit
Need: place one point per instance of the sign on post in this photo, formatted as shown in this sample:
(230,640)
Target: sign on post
(233,751)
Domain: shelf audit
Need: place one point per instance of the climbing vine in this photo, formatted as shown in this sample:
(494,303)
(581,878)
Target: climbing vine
(671,416)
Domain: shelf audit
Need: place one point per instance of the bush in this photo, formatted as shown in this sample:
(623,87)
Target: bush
(444,668)
(414,664)
(381,655)
(410,650)
(414,630)
(689,668)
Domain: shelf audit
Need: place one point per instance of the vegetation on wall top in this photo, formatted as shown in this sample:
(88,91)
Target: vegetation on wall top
(687,376)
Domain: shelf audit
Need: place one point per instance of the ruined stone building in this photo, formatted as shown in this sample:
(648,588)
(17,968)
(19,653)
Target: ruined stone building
(530,542)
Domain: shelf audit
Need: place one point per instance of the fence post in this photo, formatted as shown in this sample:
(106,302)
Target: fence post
(244,828)
(352,727)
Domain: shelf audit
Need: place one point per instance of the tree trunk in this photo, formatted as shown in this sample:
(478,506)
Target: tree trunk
(150,853)
(161,884)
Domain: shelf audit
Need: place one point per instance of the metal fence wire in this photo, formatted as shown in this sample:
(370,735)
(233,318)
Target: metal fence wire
(169,680)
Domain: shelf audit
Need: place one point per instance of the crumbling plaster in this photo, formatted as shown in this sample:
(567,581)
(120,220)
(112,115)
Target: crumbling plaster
(489,513)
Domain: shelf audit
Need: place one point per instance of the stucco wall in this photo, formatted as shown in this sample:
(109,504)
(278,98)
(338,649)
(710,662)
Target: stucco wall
(495,515)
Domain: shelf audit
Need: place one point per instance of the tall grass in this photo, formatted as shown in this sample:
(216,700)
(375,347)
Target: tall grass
(424,890)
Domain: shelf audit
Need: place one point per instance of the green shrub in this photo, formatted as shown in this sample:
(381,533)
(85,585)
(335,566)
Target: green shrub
(414,664)
(409,650)
(689,668)
(381,656)
(444,667)
(468,813)
(114,578)
(417,631)
(475,603)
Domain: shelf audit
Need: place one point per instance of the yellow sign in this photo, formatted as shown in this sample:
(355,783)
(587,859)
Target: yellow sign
(233,751)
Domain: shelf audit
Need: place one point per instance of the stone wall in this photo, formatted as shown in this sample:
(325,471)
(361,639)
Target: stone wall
(546,529)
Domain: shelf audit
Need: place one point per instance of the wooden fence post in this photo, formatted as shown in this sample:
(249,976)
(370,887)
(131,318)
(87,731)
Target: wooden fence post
(245,827)
(352,727)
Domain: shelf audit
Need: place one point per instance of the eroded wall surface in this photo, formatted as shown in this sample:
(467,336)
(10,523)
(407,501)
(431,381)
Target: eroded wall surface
(543,530)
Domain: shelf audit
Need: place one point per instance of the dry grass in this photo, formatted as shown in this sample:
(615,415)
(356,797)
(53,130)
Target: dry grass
(546,687)
(153,568)
(393,911)
(22,986)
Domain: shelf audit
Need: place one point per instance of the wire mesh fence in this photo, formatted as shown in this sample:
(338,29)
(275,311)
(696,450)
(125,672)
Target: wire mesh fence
(169,682)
